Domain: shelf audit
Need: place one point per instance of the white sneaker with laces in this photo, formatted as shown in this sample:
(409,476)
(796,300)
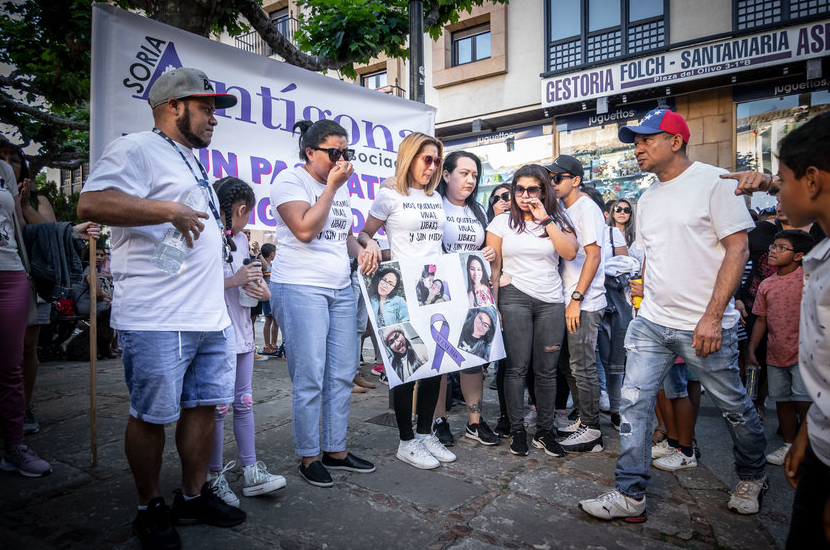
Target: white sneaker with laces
(435,448)
(259,482)
(675,461)
(583,440)
(661,449)
(777,457)
(219,485)
(413,452)
(747,497)
(614,504)
(573,427)
(604,401)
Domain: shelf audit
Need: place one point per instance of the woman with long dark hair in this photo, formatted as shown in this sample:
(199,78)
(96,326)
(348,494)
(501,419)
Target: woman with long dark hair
(405,360)
(529,240)
(478,331)
(313,299)
(499,201)
(385,297)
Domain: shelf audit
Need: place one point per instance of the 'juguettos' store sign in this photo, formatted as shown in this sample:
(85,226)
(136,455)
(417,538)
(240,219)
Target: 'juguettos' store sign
(727,56)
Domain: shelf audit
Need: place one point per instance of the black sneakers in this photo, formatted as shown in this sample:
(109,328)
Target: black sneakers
(544,440)
(351,463)
(441,428)
(153,529)
(316,474)
(482,433)
(502,427)
(518,445)
(207,508)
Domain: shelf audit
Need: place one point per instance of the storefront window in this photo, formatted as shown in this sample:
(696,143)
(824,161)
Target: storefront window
(763,123)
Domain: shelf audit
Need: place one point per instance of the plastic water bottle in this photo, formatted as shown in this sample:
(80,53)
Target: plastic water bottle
(752,375)
(171,251)
(244,299)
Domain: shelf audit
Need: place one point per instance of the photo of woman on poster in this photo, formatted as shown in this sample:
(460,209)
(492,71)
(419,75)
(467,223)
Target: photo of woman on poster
(386,296)
(405,354)
(478,282)
(437,293)
(425,284)
(478,331)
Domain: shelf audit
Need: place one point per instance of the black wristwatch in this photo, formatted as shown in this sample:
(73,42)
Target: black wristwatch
(547,221)
(577,296)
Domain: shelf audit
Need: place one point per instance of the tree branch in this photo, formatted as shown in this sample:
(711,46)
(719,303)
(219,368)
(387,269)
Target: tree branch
(17,84)
(44,116)
(432,16)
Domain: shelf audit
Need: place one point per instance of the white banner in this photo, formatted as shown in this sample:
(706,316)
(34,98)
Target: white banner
(253,140)
(433,316)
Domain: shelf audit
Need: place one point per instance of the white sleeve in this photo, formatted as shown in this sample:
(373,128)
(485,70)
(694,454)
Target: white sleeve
(383,204)
(586,225)
(619,238)
(498,226)
(287,188)
(728,211)
(7,176)
(122,166)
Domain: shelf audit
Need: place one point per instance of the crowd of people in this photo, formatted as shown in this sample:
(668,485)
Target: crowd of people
(622,311)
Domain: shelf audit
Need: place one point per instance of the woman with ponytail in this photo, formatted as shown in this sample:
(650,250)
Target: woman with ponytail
(312,297)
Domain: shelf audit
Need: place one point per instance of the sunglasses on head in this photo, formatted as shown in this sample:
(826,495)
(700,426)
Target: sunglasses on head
(557,178)
(335,154)
(622,209)
(429,159)
(500,197)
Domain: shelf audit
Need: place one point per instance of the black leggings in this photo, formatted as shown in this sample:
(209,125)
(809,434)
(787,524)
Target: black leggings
(428,390)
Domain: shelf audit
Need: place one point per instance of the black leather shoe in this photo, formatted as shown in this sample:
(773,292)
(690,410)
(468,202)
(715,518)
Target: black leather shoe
(153,529)
(351,463)
(207,508)
(316,474)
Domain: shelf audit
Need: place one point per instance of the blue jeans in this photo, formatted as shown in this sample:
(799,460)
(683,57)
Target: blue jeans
(319,329)
(652,349)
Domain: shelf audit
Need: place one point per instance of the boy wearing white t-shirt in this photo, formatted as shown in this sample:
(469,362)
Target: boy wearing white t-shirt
(584,282)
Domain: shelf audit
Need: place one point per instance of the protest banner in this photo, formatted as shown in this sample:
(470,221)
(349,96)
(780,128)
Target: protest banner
(254,139)
(433,316)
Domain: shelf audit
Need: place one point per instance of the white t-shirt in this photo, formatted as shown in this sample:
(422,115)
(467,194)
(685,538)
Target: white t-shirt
(463,232)
(9,259)
(144,165)
(240,316)
(590,228)
(324,262)
(680,224)
(414,224)
(529,260)
(607,245)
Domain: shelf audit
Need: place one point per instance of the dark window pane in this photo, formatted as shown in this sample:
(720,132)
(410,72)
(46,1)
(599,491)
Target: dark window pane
(644,9)
(603,14)
(565,19)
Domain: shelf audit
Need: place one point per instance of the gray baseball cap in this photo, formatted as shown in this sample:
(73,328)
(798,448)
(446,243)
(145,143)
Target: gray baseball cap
(186,82)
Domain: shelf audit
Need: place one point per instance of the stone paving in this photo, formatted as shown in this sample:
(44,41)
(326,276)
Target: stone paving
(487,499)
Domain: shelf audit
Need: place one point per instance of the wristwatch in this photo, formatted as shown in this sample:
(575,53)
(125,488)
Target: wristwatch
(547,221)
(577,296)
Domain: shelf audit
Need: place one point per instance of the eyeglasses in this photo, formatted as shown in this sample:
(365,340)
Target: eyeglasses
(502,197)
(529,191)
(335,154)
(557,178)
(622,209)
(393,282)
(485,322)
(779,248)
(429,159)
(393,338)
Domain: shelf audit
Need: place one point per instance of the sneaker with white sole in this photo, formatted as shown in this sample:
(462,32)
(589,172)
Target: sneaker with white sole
(544,440)
(613,505)
(482,433)
(747,497)
(573,427)
(257,480)
(675,461)
(219,485)
(436,448)
(413,452)
(561,420)
(777,457)
(25,461)
(583,440)
(604,401)
(661,449)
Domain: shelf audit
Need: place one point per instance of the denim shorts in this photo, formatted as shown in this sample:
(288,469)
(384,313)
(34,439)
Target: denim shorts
(266,308)
(786,384)
(674,384)
(166,370)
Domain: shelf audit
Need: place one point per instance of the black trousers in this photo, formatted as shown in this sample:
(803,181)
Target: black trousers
(807,523)
(428,390)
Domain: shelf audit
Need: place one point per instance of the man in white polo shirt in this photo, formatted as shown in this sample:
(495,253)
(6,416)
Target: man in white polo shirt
(693,229)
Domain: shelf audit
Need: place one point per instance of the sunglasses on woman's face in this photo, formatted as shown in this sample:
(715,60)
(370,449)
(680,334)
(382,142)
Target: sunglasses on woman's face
(532,191)
(501,197)
(429,159)
(622,209)
(335,154)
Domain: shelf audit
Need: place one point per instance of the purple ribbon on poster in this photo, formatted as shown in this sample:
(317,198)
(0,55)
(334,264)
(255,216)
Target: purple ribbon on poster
(442,344)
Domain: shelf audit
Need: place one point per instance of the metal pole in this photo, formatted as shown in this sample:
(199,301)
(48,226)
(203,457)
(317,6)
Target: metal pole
(93,349)
(416,51)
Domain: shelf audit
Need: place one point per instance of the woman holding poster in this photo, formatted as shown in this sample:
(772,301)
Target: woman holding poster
(413,217)
(464,233)
(529,240)
(313,299)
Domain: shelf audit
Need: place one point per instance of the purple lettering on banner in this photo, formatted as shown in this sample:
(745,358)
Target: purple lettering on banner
(220,164)
(279,166)
(263,211)
(204,158)
(259,167)
(321,113)
(244,104)
(370,136)
(442,345)
(353,129)
(354,187)
(357,221)
(371,181)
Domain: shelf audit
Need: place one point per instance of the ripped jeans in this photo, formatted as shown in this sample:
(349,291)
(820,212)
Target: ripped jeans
(533,330)
(652,349)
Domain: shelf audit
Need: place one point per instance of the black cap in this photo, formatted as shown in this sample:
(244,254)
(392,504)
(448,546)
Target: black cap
(566,164)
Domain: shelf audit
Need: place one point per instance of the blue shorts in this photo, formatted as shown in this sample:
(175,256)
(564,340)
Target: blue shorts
(674,384)
(166,370)
(786,384)
(266,308)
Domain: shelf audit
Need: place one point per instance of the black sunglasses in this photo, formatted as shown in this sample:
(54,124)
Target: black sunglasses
(622,209)
(501,197)
(335,154)
(557,178)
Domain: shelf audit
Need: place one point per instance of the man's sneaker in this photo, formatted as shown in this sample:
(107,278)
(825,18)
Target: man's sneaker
(544,440)
(530,418)
(384,379)
(482,433)
(571,428)
(614,504)
(616,420)
(502,427)
(675,461)
(747,496)
(25,461)
(661,449)
(257,480)
(377,369)
(777,457)
(441,428)
(351,463)
(518,443)
(207,508)
(561,420)
(583,440)
(153,529)
(604,401)
(30,425)
(219,485)
(413,452)
(435,448)
(316,474)
(258,357)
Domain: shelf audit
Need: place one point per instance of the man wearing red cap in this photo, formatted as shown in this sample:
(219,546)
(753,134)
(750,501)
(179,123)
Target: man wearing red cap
(694,232)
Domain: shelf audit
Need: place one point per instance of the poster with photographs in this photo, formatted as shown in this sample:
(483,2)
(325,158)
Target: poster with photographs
(433,316)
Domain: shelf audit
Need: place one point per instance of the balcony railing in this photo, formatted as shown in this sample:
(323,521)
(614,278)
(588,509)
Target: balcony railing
(252,42)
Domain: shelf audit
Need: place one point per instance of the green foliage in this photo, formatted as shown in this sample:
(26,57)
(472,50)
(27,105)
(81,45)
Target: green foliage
(65,206)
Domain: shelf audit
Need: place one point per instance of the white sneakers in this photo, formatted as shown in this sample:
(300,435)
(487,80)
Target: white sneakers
(219,485)
(425,452)
(614,504)
(747,496)
(604,401)
(661,449)
(583,440)
(435,448)
(259,482)
(777,457)
(675,461)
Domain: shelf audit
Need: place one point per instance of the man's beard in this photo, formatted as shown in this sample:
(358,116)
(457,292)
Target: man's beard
(183,125)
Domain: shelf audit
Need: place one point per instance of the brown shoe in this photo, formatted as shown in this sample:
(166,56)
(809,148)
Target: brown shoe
(358,389)
(363,383)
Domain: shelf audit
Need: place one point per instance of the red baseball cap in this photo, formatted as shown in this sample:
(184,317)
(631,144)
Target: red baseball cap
(655,122)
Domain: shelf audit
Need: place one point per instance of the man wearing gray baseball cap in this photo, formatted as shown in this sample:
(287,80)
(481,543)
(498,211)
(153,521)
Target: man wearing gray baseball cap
(179,357)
